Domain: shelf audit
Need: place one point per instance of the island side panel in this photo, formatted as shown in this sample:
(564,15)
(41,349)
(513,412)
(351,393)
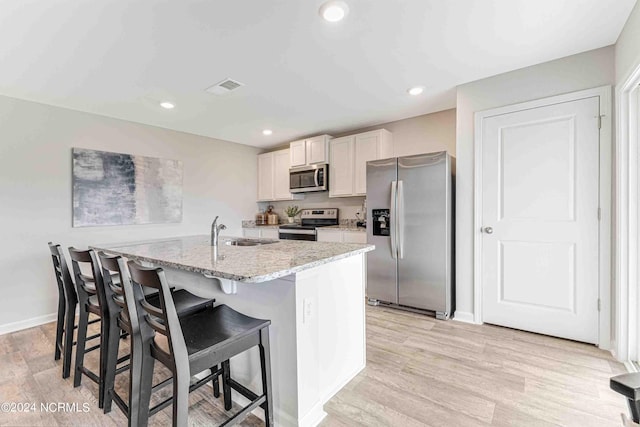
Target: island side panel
(330,319)
(273,300)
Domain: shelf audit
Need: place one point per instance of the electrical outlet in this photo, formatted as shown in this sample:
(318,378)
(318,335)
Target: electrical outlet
(307,310)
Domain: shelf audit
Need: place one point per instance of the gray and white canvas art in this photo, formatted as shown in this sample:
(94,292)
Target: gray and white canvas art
(122,189)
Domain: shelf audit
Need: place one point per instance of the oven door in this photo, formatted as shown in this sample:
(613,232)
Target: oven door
(308,179)
(290,234)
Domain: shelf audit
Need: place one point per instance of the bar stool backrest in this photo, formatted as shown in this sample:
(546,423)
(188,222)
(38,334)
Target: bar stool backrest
(88,284)
(164,320)
(115,291)
(65,284)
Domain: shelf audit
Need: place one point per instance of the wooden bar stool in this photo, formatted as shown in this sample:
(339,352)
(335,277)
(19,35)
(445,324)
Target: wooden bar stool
(120,319)
(92,300)
(67,302)
(194,343)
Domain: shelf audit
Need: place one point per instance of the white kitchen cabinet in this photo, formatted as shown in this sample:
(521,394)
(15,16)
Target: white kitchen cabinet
(251,232)
(269,233)
(264,233)
(374,145)
(265,177)
(273,177)
(354,237)
(310,151)
(329,235)
(341,167)
(349,156)
(298,153)
(281,175)
(318,149)
(342,236)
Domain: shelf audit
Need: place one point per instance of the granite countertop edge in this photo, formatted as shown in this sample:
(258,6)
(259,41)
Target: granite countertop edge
(244,279)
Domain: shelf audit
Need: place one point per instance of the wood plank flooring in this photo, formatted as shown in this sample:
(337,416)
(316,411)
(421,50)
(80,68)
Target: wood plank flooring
(420,372)
(424,372)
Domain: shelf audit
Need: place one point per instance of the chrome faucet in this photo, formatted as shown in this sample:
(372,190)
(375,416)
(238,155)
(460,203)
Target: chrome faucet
(215,231)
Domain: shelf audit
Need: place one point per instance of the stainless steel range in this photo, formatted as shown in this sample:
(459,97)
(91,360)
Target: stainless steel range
(310,220)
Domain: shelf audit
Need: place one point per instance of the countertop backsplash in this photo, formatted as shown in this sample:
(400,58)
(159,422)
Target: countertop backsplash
(348,205)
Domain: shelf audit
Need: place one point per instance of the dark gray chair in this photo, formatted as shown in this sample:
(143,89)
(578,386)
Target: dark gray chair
(193,344)
(123,317)
(628,385)
(67,303)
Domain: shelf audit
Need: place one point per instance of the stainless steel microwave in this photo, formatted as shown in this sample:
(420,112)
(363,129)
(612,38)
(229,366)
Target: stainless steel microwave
(309,178)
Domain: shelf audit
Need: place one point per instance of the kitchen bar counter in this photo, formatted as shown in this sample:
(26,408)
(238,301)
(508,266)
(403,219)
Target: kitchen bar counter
(313,293)
(248,264)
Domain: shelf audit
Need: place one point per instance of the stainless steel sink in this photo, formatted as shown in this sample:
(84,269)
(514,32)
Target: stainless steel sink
(248,242)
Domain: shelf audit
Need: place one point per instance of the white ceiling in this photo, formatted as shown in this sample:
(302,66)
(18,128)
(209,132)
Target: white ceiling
(303,75)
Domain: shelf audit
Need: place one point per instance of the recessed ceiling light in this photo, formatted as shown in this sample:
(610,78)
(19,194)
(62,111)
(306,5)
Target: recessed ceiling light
(167,105)
(267,132)
(334,11)
(417,90)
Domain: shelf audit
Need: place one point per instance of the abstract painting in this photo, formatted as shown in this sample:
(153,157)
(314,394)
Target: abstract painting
(122,189)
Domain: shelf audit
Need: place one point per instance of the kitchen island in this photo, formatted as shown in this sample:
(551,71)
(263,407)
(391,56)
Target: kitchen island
(313,293)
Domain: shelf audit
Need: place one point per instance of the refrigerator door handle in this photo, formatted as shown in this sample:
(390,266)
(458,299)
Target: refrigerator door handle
(393,221)
(400,220)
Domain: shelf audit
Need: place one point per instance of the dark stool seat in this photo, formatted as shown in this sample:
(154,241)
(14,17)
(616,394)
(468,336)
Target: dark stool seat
(213,331)
(628,385)
(185,301)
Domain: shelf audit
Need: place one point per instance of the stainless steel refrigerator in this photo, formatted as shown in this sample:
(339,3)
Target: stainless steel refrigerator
(410,221)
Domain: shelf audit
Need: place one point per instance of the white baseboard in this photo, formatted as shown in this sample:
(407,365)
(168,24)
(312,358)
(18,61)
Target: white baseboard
(464,316)
(28,323)
(314,416)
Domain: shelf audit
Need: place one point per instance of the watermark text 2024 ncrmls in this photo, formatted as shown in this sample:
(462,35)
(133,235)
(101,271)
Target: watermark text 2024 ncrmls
(64,407)
(48,407)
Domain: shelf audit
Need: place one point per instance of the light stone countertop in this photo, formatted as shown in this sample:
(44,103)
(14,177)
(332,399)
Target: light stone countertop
(342,227)
(249,264)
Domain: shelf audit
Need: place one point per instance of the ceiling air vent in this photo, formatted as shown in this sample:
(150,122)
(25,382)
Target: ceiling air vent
(224,87)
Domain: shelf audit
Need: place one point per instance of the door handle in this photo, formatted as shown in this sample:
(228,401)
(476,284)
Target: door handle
(392,221)
(315,177)
(488,230)
(400,220)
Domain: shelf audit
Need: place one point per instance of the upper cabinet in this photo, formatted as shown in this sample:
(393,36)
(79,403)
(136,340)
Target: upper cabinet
(341,167)
(273,176)
(310,151)
(298,153)
(349,157)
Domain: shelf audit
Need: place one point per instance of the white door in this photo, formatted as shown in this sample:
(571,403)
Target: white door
(540,174)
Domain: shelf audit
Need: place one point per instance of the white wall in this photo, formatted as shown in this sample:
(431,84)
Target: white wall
(628,46)
(583,71)
(35,192)
(421,134)
(415,135)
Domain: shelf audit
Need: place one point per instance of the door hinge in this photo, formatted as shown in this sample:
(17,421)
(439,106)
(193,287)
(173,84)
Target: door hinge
(598,304)
(599,214)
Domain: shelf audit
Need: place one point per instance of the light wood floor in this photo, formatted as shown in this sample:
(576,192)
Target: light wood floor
(419,372)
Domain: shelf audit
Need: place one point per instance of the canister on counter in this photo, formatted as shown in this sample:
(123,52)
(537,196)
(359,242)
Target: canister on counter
(272,217)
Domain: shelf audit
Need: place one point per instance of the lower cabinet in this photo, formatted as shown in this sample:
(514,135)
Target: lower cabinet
(265,233)
(342,236)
